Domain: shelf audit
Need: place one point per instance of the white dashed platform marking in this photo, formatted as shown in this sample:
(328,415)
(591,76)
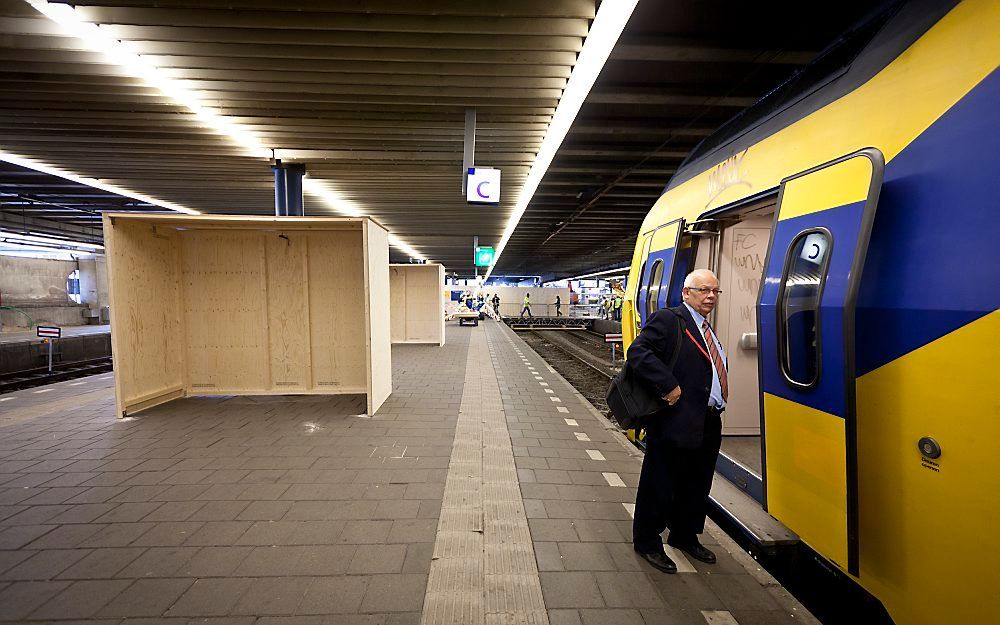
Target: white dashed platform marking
(613,479)
(718,617)
(595,455)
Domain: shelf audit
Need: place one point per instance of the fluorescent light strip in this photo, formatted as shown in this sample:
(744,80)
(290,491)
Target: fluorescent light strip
(608,25)
(27,239)
(348,207)
(91,182)
(121,53)
(621,270)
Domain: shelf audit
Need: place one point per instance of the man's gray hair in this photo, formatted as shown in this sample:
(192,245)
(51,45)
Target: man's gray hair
(692,277)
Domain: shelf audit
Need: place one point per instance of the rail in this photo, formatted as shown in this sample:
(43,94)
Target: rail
(29,378)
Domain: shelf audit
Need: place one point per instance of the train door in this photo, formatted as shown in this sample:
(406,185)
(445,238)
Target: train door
(742,251)
(806,357)
(658,259)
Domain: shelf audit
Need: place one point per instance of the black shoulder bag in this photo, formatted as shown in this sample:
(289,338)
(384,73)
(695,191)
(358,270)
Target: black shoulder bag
(631,401)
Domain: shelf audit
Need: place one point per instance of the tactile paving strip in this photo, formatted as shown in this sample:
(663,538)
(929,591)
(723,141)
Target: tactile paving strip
(483,571)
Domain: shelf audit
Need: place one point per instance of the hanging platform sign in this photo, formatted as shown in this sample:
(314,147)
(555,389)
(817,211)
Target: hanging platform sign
(484,256)
(482,185)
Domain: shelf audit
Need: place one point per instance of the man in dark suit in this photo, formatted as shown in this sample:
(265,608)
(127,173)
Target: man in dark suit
(683,439)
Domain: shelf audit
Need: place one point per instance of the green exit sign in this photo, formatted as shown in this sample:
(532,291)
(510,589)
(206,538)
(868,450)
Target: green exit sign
(484,256)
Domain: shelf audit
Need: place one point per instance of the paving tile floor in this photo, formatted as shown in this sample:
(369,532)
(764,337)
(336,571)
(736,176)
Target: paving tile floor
(305,510)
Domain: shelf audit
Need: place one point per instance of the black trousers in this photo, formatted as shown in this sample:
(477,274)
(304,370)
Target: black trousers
(673,488)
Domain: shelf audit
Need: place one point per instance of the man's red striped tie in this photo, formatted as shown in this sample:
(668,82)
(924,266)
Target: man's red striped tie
(713,351)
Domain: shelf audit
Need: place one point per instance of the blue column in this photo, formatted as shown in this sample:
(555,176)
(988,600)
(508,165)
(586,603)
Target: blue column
(280,192)
(293,188)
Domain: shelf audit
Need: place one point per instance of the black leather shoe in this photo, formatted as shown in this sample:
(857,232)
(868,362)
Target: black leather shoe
(697,551)
(659,561)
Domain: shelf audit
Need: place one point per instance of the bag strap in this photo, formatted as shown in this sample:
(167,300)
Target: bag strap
(677,343)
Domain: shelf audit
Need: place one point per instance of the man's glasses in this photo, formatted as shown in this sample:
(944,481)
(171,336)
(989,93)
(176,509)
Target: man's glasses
(702,289)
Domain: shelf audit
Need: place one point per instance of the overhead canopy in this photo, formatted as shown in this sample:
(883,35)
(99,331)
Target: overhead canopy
(371,96)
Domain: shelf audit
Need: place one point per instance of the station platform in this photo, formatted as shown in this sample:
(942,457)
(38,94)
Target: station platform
(29,336)
(23,351)
(485,490)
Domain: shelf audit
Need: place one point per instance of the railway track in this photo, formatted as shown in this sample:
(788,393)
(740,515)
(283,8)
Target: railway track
(588,373)
(29,378)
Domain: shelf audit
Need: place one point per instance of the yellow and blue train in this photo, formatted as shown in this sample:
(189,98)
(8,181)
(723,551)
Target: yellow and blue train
(852,217)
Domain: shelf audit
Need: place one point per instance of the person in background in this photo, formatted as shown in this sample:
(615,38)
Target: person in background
(618,307)
(683,438)
(526,307)
(558,306)
(496,303)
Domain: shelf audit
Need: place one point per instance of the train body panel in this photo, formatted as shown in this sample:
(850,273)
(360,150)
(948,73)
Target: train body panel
(924,323)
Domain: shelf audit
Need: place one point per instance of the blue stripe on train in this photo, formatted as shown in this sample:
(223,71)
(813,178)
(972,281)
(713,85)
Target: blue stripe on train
(828,394)
(933,265)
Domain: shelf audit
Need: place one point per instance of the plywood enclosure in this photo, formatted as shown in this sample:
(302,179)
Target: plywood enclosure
(247,306)
(417,303)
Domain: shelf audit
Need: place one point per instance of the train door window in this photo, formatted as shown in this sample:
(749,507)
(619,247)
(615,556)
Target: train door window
(798,306)
(642,288)
(653,287)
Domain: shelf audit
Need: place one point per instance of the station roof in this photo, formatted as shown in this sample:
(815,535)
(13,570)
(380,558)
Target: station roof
(371,96)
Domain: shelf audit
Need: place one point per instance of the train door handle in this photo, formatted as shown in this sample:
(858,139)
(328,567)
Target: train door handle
(748,341)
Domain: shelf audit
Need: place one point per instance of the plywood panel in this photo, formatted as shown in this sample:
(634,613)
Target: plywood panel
(443,297)
(417,303)
(225,311)
(380,344)
(247,306)
(337,311)
(288,310)
(424,310)
(145,312)
(397,303)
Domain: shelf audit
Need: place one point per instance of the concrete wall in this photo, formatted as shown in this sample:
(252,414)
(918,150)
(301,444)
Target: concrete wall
(39,281)
(37,286)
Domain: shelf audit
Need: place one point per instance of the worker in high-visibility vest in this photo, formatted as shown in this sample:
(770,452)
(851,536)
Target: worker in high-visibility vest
(618,307)
(527,305)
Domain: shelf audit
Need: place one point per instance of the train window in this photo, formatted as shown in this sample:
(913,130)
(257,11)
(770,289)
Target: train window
(653,287)
(799,306)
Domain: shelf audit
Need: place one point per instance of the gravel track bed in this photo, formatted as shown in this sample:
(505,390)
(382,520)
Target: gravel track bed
(589,382)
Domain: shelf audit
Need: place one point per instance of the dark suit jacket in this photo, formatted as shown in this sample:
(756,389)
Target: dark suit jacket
(682,424)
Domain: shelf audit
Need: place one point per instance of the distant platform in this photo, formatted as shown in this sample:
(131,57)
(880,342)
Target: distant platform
(27,336)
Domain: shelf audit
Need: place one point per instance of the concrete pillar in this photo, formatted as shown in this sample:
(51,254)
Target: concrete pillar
(88,282)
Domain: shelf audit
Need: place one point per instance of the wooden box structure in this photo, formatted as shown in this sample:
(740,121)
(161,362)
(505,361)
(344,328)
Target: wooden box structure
(241,305)
(417,300)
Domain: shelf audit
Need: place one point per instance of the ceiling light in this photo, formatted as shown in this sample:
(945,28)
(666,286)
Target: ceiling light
(620,271)
(91,182)
(608,25)
(26,239)
(122,53)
